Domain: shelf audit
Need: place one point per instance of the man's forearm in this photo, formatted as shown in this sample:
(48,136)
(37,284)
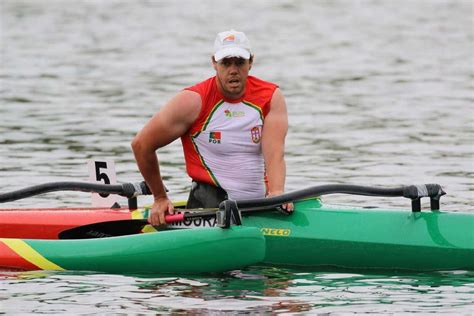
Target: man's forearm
(276,174)
(149,168)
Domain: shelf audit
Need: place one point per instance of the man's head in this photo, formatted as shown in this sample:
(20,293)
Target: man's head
(232,61)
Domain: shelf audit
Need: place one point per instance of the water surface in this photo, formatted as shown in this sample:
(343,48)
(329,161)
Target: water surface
(378,93)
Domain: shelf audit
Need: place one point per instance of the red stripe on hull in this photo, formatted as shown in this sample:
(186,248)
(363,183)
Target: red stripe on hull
(48,223)
(10,259)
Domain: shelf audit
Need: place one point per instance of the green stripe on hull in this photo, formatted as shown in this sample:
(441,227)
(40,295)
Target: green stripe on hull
(183,251)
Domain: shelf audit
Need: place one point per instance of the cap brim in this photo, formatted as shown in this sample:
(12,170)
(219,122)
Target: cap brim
(232,52)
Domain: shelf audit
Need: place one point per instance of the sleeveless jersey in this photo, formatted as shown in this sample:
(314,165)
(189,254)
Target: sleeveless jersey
(223,146)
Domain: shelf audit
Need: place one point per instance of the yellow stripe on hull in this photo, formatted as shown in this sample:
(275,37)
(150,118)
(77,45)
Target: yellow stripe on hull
(29,254)
(140,214)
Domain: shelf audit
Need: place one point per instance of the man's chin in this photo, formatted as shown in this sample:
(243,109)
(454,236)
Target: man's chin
(236,91)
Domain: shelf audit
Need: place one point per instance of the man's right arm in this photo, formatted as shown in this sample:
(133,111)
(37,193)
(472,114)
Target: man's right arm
(170,123)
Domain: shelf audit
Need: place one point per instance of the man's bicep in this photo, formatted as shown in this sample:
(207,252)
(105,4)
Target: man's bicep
(277,117)
(276,124)
(173,120)
(181,112)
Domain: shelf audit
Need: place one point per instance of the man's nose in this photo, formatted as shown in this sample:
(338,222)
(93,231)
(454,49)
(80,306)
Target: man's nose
(233,68)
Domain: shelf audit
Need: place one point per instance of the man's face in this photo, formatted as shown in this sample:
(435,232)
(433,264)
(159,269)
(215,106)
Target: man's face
(232,73)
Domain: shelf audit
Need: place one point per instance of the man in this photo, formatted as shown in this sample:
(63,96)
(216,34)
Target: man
(232,127)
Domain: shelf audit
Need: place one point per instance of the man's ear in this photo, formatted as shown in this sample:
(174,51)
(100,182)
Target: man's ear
(251,61)
(214,63)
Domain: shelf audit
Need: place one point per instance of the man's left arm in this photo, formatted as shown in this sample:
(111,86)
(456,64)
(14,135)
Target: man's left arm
(274,132)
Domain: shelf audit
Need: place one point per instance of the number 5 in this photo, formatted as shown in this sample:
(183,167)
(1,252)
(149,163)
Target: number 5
(101,176)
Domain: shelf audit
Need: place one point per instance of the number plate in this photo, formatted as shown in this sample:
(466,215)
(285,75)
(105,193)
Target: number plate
(102,171)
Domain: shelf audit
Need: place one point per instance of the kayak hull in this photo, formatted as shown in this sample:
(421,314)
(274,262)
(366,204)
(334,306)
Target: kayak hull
(315,235)
(183,252)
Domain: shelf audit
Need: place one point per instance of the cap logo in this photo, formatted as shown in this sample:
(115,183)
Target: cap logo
(229,39)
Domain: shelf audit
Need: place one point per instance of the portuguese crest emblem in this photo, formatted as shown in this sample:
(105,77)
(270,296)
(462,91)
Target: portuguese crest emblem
(256,133)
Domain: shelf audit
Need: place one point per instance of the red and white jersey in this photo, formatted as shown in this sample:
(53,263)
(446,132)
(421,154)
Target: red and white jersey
(223,146)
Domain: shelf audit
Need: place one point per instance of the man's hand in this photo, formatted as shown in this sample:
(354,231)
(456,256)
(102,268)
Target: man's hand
(288,207)
(161,207)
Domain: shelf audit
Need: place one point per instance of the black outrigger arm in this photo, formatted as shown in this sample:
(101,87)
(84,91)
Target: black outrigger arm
(128,190)
(416,192)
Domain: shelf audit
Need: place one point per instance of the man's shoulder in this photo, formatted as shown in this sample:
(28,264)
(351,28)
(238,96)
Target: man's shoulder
(260,82)
(209,82)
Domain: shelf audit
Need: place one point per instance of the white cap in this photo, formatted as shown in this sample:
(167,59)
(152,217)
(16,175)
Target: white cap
(231,44)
